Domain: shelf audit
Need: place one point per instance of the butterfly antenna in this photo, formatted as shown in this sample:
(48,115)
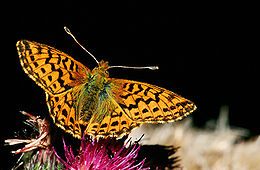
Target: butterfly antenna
(68,32)
(147,67)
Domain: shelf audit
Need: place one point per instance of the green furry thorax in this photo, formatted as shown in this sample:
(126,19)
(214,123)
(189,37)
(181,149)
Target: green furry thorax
(92,98)
(87,97)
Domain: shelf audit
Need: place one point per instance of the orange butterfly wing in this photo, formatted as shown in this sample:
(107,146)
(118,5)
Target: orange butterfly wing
(114,124)
(53,70)
(63,113)
(57,73)
(146,103)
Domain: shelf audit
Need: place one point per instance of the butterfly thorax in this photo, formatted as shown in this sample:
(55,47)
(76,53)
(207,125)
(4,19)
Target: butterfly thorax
(101,69)
(87,95)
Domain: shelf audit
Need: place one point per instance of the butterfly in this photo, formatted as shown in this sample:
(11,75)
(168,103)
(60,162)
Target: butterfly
(83,101)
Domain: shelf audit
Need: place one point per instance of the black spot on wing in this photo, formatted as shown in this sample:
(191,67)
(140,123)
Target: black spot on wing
(103,125)
(144,110)
(64,112)
(131,87)
(146,91)
(43,70)
(32,57)
(114,123)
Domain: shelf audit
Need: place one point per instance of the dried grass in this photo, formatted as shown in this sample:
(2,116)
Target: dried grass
(216,147)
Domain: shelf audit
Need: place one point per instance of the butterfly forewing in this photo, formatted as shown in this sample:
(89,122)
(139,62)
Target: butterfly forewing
(53,70)
(144,102)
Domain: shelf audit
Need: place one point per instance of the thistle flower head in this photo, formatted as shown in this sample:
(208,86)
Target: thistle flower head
(104,153)
(36,154)
(42,159)
(41,141)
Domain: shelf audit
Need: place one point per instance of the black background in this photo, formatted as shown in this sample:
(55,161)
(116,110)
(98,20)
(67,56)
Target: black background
(208,53)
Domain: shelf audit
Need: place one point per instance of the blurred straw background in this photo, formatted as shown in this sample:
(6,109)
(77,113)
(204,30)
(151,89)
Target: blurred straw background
(217,146)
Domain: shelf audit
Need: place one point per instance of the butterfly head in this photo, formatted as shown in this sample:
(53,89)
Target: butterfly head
(101,69)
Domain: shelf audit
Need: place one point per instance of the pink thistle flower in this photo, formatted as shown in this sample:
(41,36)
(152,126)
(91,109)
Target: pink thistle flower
(104,153)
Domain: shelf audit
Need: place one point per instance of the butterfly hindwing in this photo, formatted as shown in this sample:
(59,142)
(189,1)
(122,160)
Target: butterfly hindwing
(51,69)
(144,102)
(62,111)
(115,124)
